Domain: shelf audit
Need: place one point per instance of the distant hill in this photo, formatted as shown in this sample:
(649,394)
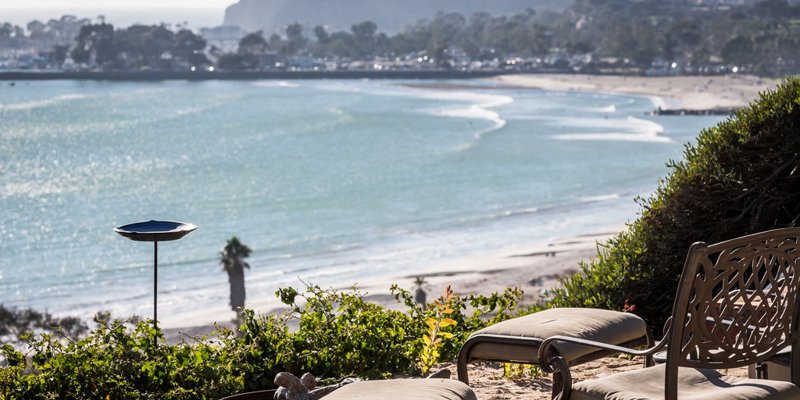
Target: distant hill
(390,15)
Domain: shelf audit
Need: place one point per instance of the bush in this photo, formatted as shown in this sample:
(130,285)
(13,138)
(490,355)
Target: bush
(338,334)
(119,363)
(14,323)
(740,178)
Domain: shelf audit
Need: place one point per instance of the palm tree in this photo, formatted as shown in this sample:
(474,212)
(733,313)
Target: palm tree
(232,260)
(419,294)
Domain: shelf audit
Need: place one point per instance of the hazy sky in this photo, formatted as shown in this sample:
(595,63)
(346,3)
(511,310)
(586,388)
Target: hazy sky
(100,4)
(195,13)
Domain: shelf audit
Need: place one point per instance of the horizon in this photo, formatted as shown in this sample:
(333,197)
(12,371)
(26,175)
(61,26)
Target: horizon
(204,13)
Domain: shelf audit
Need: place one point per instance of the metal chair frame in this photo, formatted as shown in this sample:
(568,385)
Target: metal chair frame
(748,287)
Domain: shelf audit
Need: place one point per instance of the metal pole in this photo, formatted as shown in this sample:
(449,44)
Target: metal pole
(155,284)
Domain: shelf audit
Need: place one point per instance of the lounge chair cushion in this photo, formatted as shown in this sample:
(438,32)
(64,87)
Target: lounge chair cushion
(699,384)
(405,389)
(606,326)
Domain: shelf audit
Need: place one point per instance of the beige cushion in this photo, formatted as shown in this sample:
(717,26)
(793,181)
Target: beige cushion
(405,389)
(605,326)
(648,383)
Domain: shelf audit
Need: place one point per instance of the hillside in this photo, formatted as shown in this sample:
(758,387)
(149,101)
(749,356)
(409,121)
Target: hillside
(390,15)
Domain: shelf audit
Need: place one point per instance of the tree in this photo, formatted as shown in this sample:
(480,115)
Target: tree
(95,40)
(253,44)
(295,38)
(321,34)
(232,260)
(146,46)
(189,48)
(364,38)
(60,54)
(249,55)
(738,50)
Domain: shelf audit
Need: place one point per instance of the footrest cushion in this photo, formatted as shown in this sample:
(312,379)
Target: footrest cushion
(404,389)
(606,326)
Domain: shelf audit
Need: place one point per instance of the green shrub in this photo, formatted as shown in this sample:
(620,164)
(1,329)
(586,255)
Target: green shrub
(337,334)
(741,177)
(119,363)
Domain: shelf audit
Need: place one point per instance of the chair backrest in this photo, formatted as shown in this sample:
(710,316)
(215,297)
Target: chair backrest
(736,303)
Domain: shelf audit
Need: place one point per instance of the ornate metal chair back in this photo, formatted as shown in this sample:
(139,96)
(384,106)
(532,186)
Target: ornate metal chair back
(736,304)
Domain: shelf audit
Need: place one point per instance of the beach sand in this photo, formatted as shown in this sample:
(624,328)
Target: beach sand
(533,268)
(673,92)
(537,266)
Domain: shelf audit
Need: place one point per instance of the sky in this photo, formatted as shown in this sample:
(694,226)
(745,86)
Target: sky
(98,4)
(194,13)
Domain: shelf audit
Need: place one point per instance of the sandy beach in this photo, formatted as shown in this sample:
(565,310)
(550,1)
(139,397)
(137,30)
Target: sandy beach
(673,92)
(533,268)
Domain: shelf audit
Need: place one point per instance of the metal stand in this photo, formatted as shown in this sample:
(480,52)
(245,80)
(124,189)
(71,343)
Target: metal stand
(155,284)
(155,231)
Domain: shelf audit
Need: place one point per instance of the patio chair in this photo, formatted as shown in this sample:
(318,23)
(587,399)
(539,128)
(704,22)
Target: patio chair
(735,306)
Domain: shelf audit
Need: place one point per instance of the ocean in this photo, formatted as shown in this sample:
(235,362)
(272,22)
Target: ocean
(329,182)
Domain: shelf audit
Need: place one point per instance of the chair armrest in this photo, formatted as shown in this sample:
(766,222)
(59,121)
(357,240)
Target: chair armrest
(545,354)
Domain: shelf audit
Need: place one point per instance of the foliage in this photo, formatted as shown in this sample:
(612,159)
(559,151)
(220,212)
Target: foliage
(512,371)
(433,338)
(18,323)
(742,176)
(334,334)
(763,38)
(471,313)
(116,362)
(340,334)
(138,47)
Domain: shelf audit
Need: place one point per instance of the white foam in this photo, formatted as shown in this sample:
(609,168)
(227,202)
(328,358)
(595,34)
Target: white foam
(616,136)
(638,130)
(29,105)
(282,84)
(475,112)
(664,102)
(479,109)
(645,125)
(608,109)
(604,197)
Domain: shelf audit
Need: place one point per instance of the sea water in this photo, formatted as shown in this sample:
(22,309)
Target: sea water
(331,182)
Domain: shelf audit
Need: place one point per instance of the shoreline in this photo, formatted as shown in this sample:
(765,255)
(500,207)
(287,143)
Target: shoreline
(531,267)
(690,93)
(155,76)
(671,95)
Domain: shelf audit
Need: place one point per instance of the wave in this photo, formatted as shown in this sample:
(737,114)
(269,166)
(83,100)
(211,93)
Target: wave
(479,109)
(609,109)
(645,125)
(603,197)
(281,84)
(617,137)
(480,106)
(638,130)
(29,105)
(664,102)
